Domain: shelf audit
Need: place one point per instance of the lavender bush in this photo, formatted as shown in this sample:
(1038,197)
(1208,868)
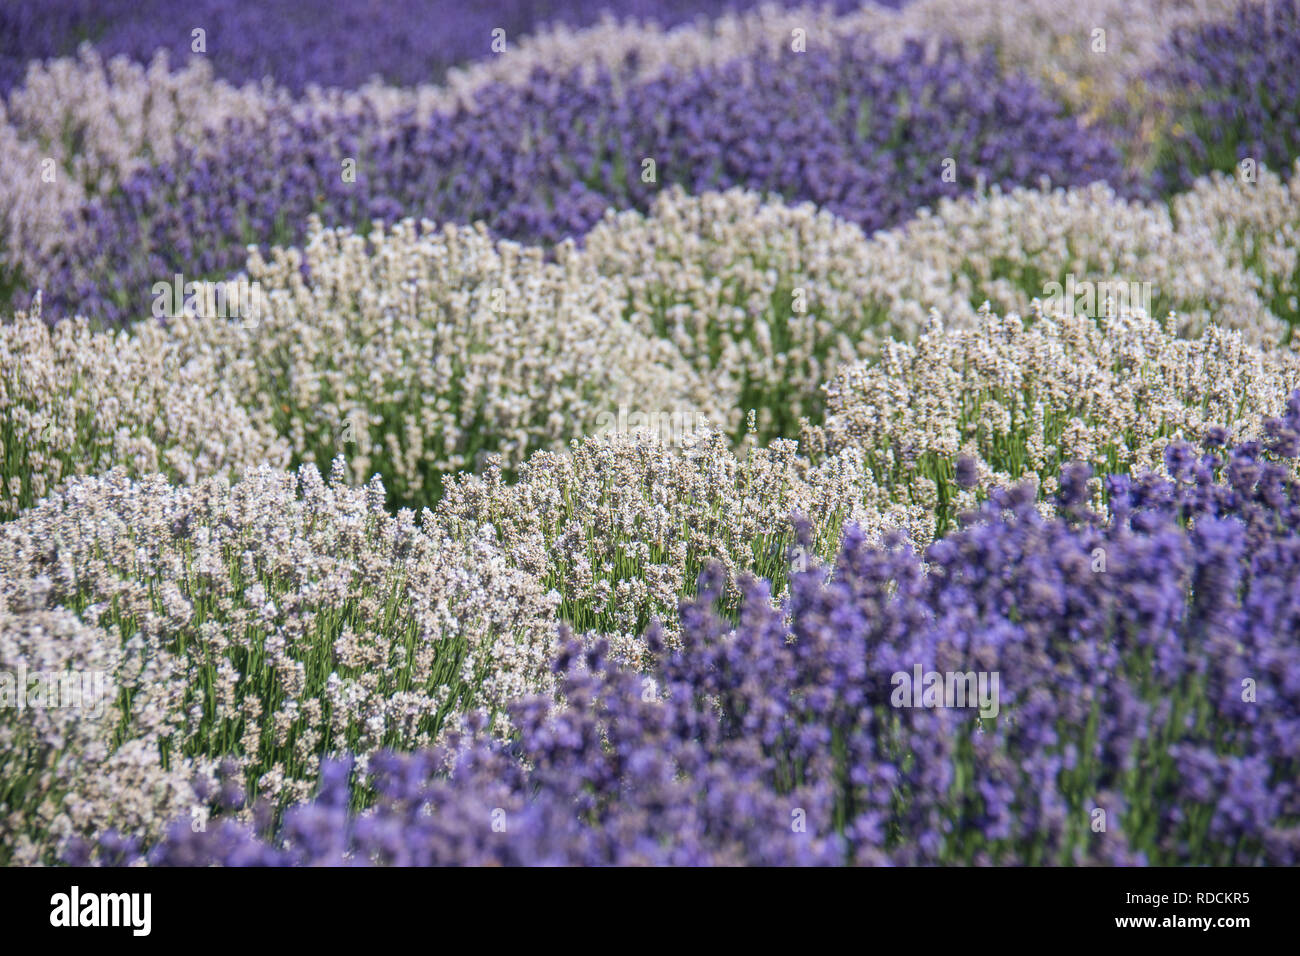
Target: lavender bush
(1232,93)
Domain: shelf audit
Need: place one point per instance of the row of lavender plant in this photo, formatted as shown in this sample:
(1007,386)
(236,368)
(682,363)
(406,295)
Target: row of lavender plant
(342,45)
(1135,698)
(869,135)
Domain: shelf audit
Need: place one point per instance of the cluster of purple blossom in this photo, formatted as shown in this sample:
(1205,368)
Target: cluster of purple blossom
(1232,91)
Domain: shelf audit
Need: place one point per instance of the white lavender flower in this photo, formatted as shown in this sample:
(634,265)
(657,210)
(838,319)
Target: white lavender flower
(274,621)
(417,350)
(75,401)
(1021,399)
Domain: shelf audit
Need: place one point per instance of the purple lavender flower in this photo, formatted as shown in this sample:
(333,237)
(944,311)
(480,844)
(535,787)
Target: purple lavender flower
(1231,93)
(965,472)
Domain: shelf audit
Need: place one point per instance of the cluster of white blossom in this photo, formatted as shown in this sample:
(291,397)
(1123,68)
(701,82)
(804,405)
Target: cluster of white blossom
(1008,248)
(768,300)
(63,774)
(77,127)
(75,401)
(33,204)
(764,299)
(100,120)
(1024,398)
(273,622)
(622,525)
(1255,225)
(417,350)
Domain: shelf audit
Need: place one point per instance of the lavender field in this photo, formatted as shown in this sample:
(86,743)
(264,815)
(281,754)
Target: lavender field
(650,433)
